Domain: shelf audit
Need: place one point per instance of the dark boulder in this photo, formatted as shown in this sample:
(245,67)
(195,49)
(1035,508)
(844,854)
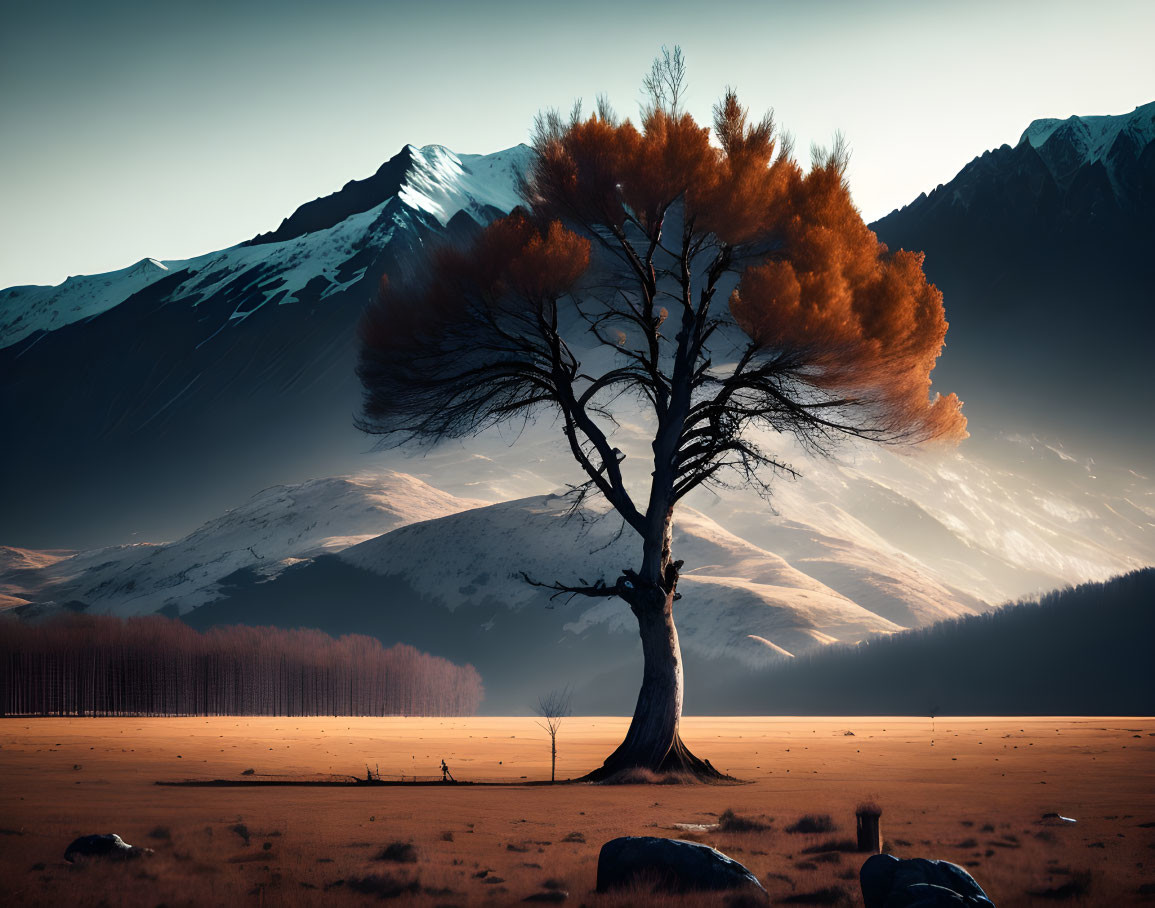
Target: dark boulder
(670,865)
(888,882)
(108,845)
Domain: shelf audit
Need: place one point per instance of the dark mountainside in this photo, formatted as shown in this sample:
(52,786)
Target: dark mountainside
(352,198)
(1044,256)
(150,417)
(1081,651)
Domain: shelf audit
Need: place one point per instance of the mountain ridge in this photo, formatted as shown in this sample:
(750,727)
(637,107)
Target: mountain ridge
(1077,141)
(325,246)
(1042,252)
(237,371)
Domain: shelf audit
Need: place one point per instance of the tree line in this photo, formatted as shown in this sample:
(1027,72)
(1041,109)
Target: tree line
(1075,651)
(87,665)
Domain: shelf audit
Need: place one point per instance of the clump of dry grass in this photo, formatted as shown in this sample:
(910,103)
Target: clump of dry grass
(383,885)
(813,823)
(830,895)
(242,830)
(732,822)
(1077,887)
(831,845)
(398,853)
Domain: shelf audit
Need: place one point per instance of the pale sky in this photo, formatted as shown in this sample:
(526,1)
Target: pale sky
(160,129)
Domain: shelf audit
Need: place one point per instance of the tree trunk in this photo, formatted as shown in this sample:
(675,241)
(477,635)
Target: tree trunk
(653,742)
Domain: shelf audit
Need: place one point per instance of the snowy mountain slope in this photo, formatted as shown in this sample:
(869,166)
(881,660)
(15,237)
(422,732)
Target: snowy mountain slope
(452,585)
(1076,142)
(273,529)
(16,565)
(431,182)
(443,183)
(29,309)
(998,518)
(458,553)
(731,590)
(15,559)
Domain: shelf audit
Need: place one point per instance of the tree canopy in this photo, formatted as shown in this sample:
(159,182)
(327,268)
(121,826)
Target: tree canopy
(826,332)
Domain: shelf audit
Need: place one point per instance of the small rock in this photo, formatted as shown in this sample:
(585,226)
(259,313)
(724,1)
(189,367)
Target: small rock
(672,864)
(106,845)
(888,882)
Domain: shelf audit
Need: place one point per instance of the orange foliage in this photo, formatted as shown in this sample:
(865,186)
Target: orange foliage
(516,267)
(863,321)
(579,175)
(867,320)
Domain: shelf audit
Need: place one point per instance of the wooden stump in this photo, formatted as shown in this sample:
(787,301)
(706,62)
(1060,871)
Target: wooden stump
(869,828)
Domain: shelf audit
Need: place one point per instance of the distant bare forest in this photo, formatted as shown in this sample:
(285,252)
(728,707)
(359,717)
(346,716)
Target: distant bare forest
(1079,651)
(82,665)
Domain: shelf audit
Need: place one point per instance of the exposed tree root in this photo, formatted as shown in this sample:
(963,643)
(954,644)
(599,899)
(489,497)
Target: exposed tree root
(678,764)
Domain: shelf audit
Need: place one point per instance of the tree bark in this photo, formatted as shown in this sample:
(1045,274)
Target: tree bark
(653,742)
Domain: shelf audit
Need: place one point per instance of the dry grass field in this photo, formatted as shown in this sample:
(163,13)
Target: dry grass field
(973,791)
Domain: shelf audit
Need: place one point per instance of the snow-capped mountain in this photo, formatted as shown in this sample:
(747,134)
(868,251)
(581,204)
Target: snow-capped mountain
(1115,142)
(732,592)
(326,245)
(274,529)
(190,383)
(1043,254)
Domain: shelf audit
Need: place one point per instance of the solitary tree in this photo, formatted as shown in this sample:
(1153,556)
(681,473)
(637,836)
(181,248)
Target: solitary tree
(552,708)
(717,286)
